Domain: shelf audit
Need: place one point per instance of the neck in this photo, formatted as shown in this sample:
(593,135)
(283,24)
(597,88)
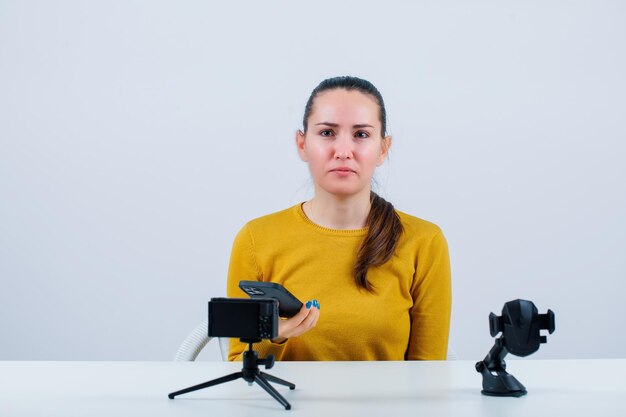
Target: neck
(339,212)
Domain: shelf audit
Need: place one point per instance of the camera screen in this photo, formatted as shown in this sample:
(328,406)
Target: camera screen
(243,318)
(233,319)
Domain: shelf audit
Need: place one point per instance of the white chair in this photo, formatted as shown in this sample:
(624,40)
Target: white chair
(196,341)
(198,338)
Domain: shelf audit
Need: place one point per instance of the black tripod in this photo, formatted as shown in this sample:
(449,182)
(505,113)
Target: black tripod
(251,373)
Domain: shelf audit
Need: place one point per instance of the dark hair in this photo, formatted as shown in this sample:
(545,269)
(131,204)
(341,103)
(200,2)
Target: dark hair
(348,83)
(383,222)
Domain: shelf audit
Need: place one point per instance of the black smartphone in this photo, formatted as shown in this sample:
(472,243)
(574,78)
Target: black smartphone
(288,304)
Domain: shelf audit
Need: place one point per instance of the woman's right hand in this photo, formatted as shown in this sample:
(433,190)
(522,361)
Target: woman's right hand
(299,324)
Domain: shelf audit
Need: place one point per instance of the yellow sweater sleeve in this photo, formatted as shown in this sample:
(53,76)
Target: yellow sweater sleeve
(243,266)
(431,292)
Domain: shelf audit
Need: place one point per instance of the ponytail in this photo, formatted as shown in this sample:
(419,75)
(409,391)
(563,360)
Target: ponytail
(381,241)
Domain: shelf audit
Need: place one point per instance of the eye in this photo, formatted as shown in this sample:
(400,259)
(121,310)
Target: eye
(326,133)
(361,134)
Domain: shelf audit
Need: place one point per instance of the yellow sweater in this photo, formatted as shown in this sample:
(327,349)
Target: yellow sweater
(408,317)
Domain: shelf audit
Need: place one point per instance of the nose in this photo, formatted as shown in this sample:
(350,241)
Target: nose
(343,147)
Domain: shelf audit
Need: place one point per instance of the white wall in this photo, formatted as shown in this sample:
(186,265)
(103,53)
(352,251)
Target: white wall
(136,138)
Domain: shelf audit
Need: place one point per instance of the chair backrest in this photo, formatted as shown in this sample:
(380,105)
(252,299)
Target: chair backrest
(196,341)
(193,343)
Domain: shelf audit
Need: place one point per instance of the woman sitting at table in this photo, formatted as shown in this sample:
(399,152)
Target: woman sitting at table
(381,275)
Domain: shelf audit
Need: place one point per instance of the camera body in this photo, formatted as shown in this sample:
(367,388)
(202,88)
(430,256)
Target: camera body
(243,318)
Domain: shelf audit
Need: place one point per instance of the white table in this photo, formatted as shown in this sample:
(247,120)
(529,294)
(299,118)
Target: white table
(555,387)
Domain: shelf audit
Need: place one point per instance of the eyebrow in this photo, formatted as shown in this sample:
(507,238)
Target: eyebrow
(357,126)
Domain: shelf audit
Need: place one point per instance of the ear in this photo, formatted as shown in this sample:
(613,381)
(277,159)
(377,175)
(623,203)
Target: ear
(301,145)
(384,150)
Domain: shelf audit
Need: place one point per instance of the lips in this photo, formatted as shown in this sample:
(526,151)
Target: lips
(342,169)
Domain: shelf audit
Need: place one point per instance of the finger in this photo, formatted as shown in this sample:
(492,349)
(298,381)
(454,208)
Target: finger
(304,311)
(312,318)
(316,319)
(308,322)
(286,327)
(299,317)
(319,312)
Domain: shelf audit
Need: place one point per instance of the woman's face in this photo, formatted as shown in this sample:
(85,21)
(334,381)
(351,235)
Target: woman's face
(343,143)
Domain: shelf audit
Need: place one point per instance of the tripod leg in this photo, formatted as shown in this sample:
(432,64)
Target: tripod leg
(216,381)
(272,391)
(272,378)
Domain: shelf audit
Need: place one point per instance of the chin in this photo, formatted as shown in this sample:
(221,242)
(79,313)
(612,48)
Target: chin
(342,190)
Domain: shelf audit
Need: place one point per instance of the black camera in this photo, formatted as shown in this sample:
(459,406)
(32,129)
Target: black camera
(243,318)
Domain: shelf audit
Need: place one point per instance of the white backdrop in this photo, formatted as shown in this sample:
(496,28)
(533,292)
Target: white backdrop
(137,137)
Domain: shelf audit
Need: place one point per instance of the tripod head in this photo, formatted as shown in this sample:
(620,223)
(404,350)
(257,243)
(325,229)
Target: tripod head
(520,324)
(251,360)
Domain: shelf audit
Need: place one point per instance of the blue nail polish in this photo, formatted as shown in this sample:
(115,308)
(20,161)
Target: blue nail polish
(308,304)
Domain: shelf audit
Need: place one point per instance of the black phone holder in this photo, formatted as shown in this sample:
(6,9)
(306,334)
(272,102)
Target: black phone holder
(251,373)
(520,324)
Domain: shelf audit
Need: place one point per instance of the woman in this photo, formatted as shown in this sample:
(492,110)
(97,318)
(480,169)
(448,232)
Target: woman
(382,276)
